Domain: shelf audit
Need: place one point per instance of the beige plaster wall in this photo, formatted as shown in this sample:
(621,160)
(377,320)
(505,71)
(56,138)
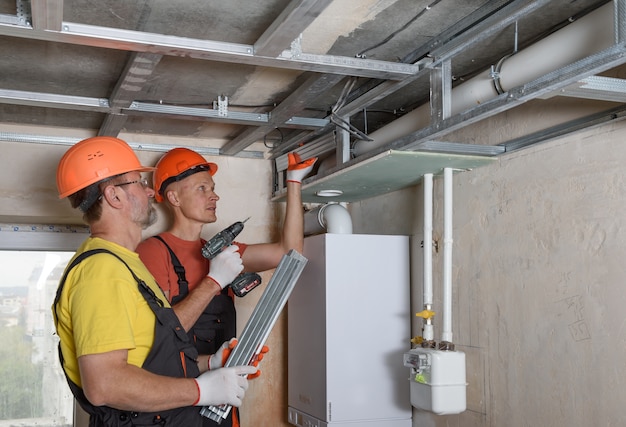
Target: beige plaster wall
(538,273)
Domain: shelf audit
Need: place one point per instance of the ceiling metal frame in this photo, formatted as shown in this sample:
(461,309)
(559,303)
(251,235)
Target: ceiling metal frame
(441,125)
(140,41)
(278,48)
(102,105)
(491,18)
(595,87)
(289,24)
(159,148)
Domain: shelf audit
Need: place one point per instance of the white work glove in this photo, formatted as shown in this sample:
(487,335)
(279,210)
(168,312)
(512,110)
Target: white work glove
(297,168)
(224,386)
(226,266)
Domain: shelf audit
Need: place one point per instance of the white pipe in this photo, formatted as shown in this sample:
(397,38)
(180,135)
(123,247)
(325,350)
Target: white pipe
(428,252)
(590,34)
(428,238)
(447,255)
(332,217)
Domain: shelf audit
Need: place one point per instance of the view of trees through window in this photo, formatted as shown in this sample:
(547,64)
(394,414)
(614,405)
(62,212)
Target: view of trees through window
(33,388)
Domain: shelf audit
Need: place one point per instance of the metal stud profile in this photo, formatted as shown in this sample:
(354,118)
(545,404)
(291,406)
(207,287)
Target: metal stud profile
(261,322)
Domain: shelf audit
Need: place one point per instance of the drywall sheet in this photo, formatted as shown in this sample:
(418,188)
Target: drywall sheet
(386,172)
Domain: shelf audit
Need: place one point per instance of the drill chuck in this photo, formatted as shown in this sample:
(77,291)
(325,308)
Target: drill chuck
(222,240)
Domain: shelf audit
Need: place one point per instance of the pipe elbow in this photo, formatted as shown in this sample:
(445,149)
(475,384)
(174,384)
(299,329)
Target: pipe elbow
(336,219)
(332,217)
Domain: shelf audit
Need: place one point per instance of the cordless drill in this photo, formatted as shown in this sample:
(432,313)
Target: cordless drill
(243,283)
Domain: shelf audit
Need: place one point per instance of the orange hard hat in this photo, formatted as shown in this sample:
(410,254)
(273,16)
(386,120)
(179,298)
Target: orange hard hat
(176,164)
(94,159)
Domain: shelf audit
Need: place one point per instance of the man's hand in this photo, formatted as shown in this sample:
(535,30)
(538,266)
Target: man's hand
(224,386)
(220,357)
(226,266)
(256,360)
(297,168)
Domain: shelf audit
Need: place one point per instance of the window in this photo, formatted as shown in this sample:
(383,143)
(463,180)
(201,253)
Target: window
(33,389)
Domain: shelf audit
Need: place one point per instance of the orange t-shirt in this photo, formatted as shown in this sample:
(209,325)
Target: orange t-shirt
(157,258)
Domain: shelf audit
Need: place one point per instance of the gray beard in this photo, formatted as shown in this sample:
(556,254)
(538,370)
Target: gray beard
(151,218)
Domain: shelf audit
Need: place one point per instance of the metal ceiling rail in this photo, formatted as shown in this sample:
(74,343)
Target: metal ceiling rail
(614,114)
(101,105)
(322,146)
(10,19)
(138,146)
(214,115)
(303,139)
(136,73)
(139,41)
(42,99)
(595,87)
(138,69)
(297,101)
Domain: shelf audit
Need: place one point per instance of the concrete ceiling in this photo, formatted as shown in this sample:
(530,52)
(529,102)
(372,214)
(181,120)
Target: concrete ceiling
(264,77)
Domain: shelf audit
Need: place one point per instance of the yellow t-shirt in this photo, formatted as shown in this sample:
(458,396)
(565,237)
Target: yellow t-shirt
(102,310)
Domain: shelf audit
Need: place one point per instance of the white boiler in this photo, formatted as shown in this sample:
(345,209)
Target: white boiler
(348,329)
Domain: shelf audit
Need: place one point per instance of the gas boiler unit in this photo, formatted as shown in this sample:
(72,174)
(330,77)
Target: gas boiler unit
(348,328)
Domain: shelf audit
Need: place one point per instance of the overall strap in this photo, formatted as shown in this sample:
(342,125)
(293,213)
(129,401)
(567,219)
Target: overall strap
(183,284)
(69,268)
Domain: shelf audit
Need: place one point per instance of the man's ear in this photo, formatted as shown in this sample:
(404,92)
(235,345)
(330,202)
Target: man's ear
(109,193)
(172,197)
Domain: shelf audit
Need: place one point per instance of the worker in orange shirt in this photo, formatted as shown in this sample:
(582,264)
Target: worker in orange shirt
(183,181)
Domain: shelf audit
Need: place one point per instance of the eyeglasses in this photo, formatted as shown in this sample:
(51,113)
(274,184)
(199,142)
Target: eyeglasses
(143,181)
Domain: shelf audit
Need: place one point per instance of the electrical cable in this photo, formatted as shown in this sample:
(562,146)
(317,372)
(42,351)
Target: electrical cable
(272,146)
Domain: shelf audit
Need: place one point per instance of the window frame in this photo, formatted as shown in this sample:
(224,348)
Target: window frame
(40,237)
(29,237)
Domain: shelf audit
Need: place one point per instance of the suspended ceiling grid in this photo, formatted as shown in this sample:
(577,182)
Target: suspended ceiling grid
(261,78)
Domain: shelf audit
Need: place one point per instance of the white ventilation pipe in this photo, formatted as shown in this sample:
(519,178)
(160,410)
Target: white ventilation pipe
(590,34)
(446,335)
(331,217)
(428,254)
